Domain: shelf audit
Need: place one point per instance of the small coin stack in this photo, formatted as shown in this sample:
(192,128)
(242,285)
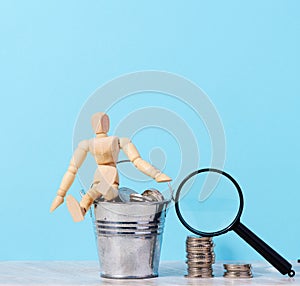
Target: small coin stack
(200,257)
(237,271)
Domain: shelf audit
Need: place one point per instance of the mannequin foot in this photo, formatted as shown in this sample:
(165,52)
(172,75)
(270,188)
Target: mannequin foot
(75,209)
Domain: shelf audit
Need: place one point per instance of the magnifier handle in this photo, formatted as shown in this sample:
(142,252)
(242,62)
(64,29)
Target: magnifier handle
(281,264)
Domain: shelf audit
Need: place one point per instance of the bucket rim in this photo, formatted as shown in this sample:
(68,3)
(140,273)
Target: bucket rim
(164,202)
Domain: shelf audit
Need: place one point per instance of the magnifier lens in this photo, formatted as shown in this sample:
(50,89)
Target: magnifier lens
(209,202)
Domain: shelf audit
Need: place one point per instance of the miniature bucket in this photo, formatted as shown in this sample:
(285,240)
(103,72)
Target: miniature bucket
(129,238)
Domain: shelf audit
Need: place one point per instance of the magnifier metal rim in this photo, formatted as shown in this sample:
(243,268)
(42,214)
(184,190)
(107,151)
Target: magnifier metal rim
(235,220)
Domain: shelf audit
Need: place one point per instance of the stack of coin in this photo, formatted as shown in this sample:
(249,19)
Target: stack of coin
(200,257)
(237,271)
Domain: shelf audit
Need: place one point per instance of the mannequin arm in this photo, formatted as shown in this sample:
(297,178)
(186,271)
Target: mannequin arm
(68,179)
(133,155)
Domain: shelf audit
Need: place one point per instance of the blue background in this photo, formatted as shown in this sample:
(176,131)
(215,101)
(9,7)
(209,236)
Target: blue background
(54,54)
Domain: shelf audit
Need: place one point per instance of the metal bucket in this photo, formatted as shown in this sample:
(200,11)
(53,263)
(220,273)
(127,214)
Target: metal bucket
(129,237)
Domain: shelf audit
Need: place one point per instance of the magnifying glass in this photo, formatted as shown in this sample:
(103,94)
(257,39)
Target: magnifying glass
(220,212)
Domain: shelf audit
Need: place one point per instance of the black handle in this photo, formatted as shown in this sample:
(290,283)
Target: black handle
(282,265)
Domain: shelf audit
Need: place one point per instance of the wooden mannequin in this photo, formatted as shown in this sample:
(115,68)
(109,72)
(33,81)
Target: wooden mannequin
(105,149)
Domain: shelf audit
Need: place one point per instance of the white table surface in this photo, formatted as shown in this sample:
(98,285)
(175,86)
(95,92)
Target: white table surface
(170,273)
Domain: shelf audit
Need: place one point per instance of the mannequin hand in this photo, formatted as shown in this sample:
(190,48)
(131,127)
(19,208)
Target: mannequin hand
(160,178)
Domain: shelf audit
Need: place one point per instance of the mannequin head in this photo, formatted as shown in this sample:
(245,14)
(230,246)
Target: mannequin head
(100,122)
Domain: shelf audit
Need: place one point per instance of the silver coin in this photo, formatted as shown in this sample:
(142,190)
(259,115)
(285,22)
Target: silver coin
(199,259)
(193,244)
(207,243)
(196,244)
(191,271)
(198,276)
(139,198)
(136,198)
(204,249)
(199,254)
(239,276)
(194,253)
(199,265)
(124,194)
(197,251)
(203,266)
(208,274)
(238,272)
(193,237)
(200,271)
(191,258)
(202,258)
(154,195)
(199,239)
(199,245)
(199,248)
(233,272)
(237,266)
